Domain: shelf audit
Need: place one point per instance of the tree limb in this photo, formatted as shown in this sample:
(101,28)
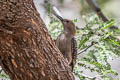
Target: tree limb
(92,43)
(99,12)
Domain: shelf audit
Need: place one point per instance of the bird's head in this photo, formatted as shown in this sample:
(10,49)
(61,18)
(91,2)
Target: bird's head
(69,26)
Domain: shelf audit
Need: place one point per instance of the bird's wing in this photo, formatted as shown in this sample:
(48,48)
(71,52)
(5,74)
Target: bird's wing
(74,52)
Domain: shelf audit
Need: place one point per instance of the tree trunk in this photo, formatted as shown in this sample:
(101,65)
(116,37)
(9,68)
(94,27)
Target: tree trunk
(27,52)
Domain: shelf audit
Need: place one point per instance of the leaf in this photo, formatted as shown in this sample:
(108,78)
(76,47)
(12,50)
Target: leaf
(108,24)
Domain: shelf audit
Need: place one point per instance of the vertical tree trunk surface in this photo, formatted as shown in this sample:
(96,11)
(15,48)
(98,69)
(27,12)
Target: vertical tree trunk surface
(27,52)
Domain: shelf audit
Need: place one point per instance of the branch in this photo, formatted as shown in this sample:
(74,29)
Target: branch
(99,12)
(93,43)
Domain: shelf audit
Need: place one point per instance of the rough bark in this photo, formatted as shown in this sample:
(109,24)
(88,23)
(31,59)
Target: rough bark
(27,52)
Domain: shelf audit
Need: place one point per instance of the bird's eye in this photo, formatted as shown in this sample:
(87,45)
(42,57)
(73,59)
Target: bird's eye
(67,21)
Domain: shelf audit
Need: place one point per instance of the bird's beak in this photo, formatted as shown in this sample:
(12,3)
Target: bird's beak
(57,13)
(59,17)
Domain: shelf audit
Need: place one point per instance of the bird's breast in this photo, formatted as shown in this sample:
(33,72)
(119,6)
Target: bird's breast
(62,37)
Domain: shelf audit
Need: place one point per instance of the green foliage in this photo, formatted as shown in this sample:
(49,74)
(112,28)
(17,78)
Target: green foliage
(3,76)
(55,28)
(98,44)
(106,46)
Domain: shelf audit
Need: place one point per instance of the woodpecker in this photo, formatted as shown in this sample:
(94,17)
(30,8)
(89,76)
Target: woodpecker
(66,41)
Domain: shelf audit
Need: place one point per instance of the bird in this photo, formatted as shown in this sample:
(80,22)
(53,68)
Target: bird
(66,42)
